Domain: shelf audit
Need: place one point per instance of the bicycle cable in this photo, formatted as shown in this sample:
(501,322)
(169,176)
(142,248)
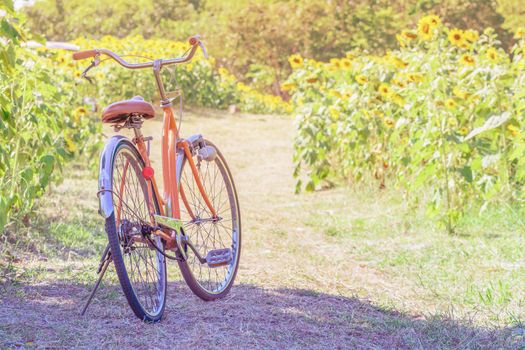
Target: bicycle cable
(161,252)
(141,222)
(173,78)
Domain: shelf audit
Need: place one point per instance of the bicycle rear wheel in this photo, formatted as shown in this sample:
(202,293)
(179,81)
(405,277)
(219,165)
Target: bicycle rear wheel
(140,267)
(206,234)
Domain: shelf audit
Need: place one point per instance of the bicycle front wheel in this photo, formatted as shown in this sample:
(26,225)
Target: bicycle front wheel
(205,232)
(140,267)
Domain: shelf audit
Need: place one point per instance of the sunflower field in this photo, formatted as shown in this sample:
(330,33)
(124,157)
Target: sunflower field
(200,81)
(441,117)
(38,130)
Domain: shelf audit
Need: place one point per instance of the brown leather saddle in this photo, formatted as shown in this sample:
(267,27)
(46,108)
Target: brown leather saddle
(119,112)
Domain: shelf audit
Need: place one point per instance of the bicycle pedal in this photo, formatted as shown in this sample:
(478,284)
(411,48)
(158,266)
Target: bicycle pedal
(219,257)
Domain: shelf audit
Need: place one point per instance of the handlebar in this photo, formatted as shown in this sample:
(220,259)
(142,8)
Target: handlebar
(194,41)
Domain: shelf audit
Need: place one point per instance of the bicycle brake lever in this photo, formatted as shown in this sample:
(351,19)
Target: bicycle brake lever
(94,63)
(203,48)
(88,79)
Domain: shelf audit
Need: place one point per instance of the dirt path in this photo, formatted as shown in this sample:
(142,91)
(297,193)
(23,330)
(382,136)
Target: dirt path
(295,287)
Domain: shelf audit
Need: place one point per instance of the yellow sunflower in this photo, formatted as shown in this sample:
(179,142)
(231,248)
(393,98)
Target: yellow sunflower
(398,63)
(514,131)
(433,20)
(296,61)
(384,90)
(451,104)
(81,111)
(312,78)
(347,93)
(414,77)
(335,62)
(460,93)
(399,82)
(346,63)
(70,144)
(467,59)
(409,35)
(361,79)
(424,30)
(389,122)
(453,122)
(492,54)
(456,37)
(334,113)
(471,35)
(398,100)
(400,40)
(335,93)
(519,33)
(465,45)
(463,131)
(426,25)
(288,86)
(350,55)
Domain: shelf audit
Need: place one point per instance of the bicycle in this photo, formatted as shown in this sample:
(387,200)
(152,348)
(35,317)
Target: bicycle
(197,220)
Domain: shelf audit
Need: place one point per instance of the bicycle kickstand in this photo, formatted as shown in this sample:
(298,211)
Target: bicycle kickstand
(105,260)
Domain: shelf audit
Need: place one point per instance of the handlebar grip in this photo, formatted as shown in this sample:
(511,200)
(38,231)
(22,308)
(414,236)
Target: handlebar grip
(81,55)
(194,40)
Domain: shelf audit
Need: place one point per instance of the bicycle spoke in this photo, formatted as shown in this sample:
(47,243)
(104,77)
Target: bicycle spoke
(142,263)
(209,235)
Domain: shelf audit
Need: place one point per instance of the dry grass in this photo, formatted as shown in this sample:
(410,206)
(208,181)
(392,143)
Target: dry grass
(318,270)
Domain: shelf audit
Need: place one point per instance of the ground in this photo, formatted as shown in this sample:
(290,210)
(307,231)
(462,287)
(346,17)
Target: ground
(340,268)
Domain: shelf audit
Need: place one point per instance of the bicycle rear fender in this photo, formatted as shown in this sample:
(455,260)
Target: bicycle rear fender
(104,177)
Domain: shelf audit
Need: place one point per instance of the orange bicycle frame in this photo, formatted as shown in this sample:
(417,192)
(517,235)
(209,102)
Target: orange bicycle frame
(171,144)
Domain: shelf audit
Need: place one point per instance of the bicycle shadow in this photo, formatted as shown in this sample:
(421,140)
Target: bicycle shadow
(47,316)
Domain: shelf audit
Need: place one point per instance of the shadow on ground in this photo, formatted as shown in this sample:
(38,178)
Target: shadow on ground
(47,316)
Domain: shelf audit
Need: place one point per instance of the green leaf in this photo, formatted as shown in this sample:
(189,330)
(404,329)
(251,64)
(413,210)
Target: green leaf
(48,162)
(3,213)
(310,186)
(426,173)
(491,123)
(466,171)
(7,4)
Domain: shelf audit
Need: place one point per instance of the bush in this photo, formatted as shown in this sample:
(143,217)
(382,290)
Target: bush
(248,34)
(37,131)
(440,117)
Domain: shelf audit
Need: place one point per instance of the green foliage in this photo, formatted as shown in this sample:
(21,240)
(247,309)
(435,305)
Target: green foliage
(513,12)
(37,133)
(440,117)
(318,29)
(200,82)
(252,32)
(66,20)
